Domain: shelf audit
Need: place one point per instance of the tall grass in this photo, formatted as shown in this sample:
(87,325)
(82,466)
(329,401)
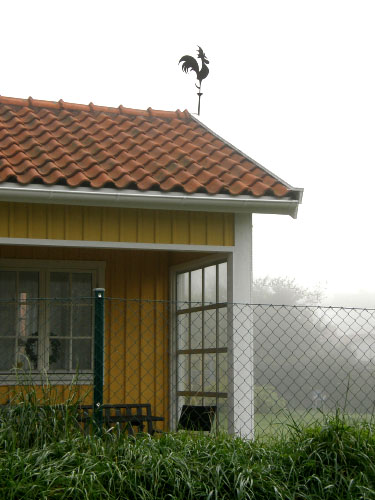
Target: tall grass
(35,415)
(45,455)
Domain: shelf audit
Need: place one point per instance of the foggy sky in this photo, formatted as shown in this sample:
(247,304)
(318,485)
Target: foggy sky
(291,84)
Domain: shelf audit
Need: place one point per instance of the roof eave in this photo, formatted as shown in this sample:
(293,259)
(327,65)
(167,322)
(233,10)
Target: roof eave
(37,193)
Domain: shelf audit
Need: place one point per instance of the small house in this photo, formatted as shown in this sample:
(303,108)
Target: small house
(153,208)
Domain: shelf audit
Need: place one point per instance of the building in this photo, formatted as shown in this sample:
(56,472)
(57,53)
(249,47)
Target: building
(156,209)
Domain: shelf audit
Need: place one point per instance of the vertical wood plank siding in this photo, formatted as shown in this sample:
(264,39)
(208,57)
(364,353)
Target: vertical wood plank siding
(62,222)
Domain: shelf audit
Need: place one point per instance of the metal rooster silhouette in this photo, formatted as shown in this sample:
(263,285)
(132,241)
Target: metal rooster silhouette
(189,63)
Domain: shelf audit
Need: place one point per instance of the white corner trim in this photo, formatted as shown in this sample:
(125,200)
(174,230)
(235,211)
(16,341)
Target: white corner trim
(240,351)
(115,244)
(154,200)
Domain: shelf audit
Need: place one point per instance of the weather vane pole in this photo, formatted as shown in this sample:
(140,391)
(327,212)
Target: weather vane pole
(189,63)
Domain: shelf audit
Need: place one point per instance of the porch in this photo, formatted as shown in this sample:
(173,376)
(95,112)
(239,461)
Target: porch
(172,341)
(161,353)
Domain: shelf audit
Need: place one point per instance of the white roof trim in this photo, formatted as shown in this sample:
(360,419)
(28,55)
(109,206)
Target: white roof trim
(115,244)
(157,200)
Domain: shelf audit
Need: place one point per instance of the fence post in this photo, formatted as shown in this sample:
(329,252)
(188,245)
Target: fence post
(98,355)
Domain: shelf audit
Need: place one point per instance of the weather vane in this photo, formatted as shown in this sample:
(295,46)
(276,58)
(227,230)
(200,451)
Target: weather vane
(190,63)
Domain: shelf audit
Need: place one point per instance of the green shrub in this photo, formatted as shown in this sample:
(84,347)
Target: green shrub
(44,455)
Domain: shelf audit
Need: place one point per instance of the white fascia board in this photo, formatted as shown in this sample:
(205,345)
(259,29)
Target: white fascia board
(173,247)
(38,193)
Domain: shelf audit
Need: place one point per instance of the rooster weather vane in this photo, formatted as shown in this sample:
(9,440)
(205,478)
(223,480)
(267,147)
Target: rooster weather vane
(190,63)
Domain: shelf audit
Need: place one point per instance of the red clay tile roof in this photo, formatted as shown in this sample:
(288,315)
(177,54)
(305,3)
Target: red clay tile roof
(78,145)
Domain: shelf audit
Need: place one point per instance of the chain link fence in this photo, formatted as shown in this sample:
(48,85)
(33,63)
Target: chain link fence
(260,366)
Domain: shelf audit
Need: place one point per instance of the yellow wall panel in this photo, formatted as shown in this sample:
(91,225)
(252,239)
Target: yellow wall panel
(181,228)
(228,229)
(37,215)
(146,226)
(198,228)
(163,227)
(4,220)
(19,221)
(92,223)
(128,225)
(56,222)
(110,224)
(215,229)
(38,221)
(74,223)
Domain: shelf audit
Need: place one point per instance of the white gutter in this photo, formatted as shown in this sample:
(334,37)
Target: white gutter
(38,193)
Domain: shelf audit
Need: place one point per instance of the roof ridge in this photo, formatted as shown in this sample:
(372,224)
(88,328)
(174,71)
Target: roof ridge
(120,110)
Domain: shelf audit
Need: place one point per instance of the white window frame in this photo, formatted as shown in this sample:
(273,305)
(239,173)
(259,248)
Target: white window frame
(45,267)
(174,271)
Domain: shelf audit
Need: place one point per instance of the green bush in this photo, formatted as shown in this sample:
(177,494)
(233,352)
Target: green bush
(330,460)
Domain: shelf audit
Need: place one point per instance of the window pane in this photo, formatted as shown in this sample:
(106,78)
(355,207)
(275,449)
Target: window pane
(183,372)
(209,379)
(223,282)
(8,319)
(7,285)
(81,285)
(82,321)
(196,286)
(59,285)
(59,320)
(209,324)
(7,354)
(223,326)
(27,355)
(28,285)
(196,330)
(196,372)
(27,316)
(59,354)
(182,290)
(209,401)
(54,350)
(81,354)
(210,284)
(183,331)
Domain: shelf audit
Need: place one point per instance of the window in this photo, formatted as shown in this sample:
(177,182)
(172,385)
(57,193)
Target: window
(46,318)
(201,338)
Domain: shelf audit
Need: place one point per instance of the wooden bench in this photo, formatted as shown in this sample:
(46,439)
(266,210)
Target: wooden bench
(126,416)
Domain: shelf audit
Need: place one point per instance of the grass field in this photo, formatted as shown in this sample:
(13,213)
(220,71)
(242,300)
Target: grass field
(280,423)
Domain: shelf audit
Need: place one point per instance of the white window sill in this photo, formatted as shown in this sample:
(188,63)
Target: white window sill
(43,379)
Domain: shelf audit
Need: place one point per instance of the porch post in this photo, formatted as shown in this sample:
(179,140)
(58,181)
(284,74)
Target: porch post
(98,354)
(241,344)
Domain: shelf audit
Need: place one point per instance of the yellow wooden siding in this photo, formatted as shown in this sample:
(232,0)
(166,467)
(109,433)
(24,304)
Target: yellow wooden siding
(64,222)
(136,333)
(52,394)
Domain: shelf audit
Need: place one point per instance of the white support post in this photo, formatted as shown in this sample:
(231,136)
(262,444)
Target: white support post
(241,344)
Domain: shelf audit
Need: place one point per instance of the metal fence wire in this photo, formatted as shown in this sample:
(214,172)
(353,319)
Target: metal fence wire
(258,365)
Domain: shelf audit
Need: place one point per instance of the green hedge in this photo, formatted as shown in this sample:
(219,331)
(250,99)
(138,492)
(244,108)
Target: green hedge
(49,458)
